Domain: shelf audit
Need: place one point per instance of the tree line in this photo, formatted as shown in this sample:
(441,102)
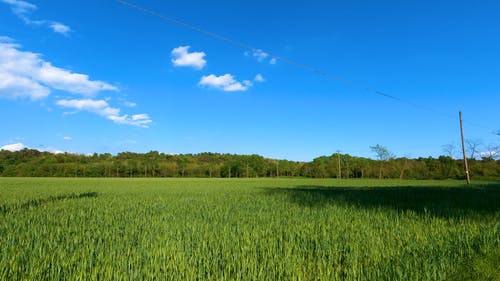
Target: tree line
(34,163)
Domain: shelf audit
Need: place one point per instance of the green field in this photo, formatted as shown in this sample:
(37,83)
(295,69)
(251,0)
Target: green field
(248,229)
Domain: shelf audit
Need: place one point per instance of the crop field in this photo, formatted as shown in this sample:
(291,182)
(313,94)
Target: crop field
(248,229)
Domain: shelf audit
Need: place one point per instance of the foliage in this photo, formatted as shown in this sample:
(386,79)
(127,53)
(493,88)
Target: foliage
(382,152)
(33,163)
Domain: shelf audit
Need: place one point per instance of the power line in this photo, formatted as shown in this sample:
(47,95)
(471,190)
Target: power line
(256,50)
(290,62)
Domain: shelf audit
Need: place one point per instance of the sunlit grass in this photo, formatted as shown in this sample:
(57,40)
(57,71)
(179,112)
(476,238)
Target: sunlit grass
(247,229)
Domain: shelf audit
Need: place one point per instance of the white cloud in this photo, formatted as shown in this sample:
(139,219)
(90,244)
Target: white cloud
(43,148)
(85,104)
(228,83)
(102,108)
(65,80)
(20,146)
(13,147)
(60,28)
(182,57)
(492,152)
(25,74)
(6,39)
(67,138)
(224,82)
(12,86)
(139,120)
(259,78)
(129,104)
(247,83)
(22,9)
(261,56)
(51,150)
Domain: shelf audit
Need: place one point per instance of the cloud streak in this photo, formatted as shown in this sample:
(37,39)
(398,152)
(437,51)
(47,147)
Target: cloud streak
(22,9)
(102,108)
(26,74)
(60,28)
(20,146)
(13,147)
(261,56)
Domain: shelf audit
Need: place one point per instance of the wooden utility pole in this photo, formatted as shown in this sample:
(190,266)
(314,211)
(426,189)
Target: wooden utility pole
(463,149)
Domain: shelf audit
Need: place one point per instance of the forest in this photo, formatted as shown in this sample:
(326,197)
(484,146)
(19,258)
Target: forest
(34,163)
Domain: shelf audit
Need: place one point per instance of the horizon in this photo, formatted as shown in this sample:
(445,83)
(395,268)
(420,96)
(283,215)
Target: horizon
(102,77)
(20,148)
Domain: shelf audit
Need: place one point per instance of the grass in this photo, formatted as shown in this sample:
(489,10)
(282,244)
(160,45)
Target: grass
(248,229)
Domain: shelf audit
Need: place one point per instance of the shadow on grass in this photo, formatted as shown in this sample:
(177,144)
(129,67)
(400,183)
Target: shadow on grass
(51,199)
(438,201)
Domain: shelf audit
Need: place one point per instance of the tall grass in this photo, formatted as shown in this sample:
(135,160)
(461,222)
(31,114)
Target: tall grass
(248,229)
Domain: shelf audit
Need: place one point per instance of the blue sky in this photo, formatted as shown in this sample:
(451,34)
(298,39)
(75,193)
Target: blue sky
(97,76)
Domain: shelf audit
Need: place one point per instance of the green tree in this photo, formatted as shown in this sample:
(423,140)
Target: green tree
(383,154)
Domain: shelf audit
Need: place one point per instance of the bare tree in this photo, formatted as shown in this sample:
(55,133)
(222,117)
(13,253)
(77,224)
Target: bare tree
(492,151)
(449,150)
(473,146)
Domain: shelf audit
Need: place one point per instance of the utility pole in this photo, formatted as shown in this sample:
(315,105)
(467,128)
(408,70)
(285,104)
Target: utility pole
(466,165)
(339,175)
(277,168)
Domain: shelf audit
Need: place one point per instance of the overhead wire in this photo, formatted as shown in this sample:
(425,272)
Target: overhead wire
(290,61)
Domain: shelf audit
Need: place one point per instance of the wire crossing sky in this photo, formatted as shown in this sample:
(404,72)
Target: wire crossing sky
(278,58)
(95,76)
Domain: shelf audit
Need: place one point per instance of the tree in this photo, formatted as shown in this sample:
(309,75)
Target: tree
(360,165)
(401,165)
(448,150)
(128,164)
(473,146)
(383,154)
(492,151)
